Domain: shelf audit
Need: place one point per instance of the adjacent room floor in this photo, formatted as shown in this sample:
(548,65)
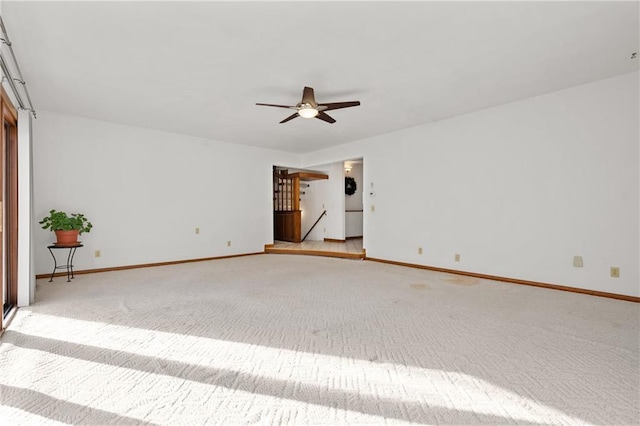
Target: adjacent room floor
(349,249)
(279,339)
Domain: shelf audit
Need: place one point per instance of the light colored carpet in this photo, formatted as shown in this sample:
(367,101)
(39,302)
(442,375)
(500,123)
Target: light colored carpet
(276,339)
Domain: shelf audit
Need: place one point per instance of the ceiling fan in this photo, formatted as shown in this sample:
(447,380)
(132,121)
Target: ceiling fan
(309,108)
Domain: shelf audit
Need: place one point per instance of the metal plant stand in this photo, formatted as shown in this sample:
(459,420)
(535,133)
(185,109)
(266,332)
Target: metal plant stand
(69,265)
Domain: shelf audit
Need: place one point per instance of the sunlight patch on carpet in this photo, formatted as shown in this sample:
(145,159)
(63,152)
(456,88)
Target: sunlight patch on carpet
(94,364)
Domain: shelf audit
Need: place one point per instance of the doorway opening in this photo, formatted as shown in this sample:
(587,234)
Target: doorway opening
(288,187)
(309,213)
(354,199)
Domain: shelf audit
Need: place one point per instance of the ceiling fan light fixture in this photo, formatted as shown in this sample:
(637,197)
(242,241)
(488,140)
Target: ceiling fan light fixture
(309,108)
(307,112)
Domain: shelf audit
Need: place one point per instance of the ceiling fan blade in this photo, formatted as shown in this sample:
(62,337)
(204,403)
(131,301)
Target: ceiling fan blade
(308,97)
(289,118)
(338,105)
(324,117)
(278,106)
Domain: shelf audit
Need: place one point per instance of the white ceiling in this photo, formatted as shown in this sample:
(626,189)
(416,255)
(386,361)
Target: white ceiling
(198,68)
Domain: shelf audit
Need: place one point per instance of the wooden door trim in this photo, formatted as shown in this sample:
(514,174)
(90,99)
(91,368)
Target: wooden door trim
(9,114)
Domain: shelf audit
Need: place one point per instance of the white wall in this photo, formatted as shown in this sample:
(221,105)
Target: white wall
(312,205)
(26,263)
(333,222)
(325,195)
(516,190)
(146,191)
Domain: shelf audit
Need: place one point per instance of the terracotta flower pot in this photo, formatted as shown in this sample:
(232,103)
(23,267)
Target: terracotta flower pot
(67,237)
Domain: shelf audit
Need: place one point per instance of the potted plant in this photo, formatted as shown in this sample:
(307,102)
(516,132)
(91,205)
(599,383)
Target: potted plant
(67,227)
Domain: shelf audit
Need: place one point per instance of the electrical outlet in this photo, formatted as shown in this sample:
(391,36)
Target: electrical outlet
(373,208)
(228,243)
(197,230)
(419,250)
(577,261)
(615,272)
(97,253)
(457,257)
